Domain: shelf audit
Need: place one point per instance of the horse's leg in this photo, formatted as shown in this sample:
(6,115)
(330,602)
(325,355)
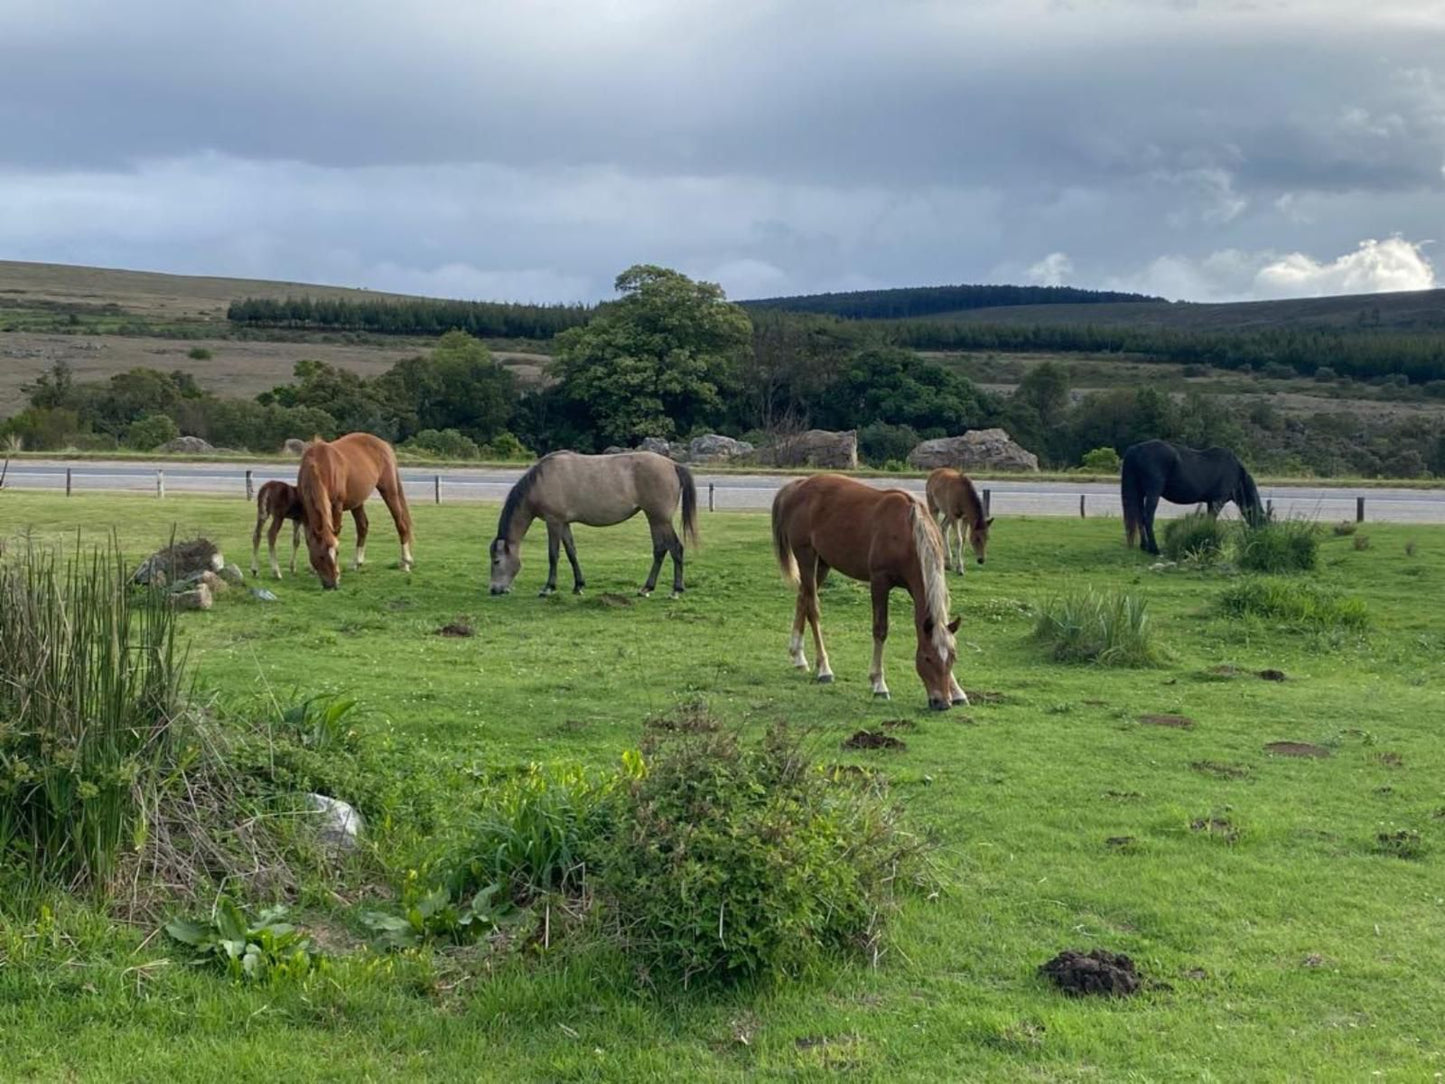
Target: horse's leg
(295,545)
(958,538)
(1151,505)
(271,536)
(674,546)
(256,544)
(880,634)
(395,498)
(795,642)
(554,544)
(810,574)
(363,524)
(577,581)
(659,551)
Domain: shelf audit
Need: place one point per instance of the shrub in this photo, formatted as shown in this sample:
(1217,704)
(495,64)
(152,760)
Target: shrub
(264,950)
(91,699)
(199,353)
(1111,629)
(1345,527)
(506,446)
(443,443)
(880,442)
(1102,461)
(150,431)
(1362,542)
(1197,536)
(730,861)
(1324,374)
(1288,545)
(1301,605)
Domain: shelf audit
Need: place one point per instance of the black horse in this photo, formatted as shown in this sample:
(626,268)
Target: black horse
(1180,475)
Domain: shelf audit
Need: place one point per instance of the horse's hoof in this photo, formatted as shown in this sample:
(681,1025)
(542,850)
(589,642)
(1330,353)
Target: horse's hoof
(825,679)
(546,591)
(882,694)
(578,589)
(644,592)
(675,594)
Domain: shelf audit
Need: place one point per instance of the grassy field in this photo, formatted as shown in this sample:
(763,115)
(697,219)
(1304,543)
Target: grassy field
(1281,940)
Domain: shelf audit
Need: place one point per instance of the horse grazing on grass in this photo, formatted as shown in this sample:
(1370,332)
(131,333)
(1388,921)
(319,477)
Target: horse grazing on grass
(338,476)
(280,501)
(1180,475)
(954,503)
(884,537)
(599,490)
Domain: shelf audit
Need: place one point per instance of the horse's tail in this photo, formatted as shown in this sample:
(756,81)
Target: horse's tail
(689,502)
(1131,496)
(782,548)
(1250,506)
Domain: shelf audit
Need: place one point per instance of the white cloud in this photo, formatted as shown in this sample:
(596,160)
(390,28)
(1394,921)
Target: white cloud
(1234,275)
(1052,270)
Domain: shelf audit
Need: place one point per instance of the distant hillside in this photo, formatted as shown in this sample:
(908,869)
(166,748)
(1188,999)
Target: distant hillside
(917,301)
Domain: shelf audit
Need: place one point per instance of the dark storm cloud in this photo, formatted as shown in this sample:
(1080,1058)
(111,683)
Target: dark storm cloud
(790,146)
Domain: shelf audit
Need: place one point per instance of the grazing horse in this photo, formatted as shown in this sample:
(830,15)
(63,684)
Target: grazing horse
(1180,475)
(280,501)
(884,537)
(954,502)
(599,490)
(338,476)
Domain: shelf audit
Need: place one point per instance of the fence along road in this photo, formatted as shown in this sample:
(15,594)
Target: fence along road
(726,492)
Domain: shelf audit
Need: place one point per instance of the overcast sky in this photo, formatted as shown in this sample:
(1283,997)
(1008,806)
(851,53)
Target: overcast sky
(531,149)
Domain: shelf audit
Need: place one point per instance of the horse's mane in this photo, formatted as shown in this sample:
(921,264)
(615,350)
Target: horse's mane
(311,488)
(929,544)
(519,493)
(972,492)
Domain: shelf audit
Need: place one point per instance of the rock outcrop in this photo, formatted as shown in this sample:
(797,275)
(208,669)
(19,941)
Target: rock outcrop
(187,445)
(814,448)
(716,448)
(978,449)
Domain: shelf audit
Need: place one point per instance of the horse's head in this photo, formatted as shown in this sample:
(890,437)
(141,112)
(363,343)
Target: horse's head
(978,538)
(321,545)
(506,563)
(934,660)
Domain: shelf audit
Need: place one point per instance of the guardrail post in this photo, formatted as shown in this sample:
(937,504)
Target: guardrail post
(1269,508)
(1081,506)
(437,487)
(1359,509)
(67,481)
(250,491)
(987,500)
(160,484)
(710,488)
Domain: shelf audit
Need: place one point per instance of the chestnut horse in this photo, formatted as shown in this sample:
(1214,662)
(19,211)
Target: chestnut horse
(884,537)
(954,502)
(281,502)
(338,476)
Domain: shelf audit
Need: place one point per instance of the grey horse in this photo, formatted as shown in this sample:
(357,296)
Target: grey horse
(599,490)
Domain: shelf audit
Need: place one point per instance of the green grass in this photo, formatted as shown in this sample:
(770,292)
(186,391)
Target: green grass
(1295,945)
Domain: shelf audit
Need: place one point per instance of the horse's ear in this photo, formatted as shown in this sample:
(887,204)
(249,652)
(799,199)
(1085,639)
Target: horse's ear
(953,625)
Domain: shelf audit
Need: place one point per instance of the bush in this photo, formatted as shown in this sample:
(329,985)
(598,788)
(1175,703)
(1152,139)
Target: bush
(91,698)
(443,443)
(506,446)
(1289,545)
(1102,461)
(1197,536)
(1289,603)
(199,353)
(880,442)
(1324,374)
(1110,629)
(730,861)
(150,431)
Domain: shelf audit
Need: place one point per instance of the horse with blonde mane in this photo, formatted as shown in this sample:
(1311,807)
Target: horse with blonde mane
(885,538)
(954,503)
(338,476)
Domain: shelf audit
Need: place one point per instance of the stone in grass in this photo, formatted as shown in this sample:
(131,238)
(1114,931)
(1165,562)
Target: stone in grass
(339,826)
(197,598)
(232,574)
(262,594)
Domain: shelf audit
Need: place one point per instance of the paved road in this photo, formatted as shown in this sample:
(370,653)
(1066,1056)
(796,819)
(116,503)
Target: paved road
(730,491)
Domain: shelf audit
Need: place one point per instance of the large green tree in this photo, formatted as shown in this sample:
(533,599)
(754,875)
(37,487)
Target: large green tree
(659,361)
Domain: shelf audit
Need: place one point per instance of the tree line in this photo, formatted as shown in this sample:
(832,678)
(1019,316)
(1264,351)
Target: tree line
(931,300)
(483,319)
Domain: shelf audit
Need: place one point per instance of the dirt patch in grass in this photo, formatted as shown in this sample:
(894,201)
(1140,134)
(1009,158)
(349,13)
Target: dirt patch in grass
(1119,842)
(457,628)
(1272,675)
(612,601)
(982,696)
(873,739)
(1391,760)
(1176,722)
(1096,972)
(899,724)
(1296,749)
(1220,771)
(1095,703)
